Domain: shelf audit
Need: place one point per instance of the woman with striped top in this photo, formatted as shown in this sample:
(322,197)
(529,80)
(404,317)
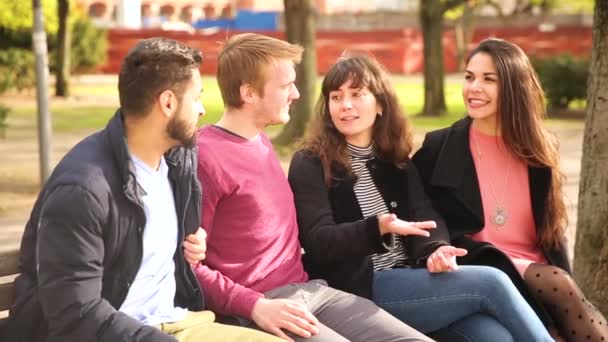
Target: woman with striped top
(367,227)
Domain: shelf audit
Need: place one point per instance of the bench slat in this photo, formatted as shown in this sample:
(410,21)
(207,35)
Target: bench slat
(9,262)
(7,294)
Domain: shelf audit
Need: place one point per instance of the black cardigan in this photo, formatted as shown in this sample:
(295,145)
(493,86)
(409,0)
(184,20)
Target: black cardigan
(450,180)
(337,240)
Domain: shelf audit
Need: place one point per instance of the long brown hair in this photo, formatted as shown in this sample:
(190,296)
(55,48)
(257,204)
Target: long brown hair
(521,109)
(391,135)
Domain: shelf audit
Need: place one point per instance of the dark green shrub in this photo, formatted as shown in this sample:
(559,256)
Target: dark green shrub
(16,69)
(88,46)
(4,111)
(564,79)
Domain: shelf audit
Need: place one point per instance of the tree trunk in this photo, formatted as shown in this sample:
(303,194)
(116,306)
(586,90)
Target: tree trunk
(591,250)
(431,21)
(300,29)
(62,84)
(464,34)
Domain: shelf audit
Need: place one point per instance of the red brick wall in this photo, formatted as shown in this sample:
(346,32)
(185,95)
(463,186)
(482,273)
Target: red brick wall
(399,50)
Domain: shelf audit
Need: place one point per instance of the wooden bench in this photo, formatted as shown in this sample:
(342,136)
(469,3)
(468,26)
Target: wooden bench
(9,268)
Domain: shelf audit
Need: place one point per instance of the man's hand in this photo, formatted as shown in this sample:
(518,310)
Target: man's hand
(444,259)
(272,315)
(195,247)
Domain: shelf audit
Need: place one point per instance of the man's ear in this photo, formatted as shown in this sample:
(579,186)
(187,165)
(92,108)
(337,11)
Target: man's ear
(248,94)
(167,102)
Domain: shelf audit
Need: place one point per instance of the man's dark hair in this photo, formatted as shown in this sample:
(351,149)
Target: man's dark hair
(151,67)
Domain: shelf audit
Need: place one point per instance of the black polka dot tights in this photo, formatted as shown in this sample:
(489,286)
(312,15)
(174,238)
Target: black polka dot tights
(576,318)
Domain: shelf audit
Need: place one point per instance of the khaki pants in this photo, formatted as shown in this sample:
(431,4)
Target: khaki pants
(200,326)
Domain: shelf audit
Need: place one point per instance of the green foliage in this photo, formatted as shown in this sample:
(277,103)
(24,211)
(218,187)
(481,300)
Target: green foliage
(564,79)
(88,44)
(19,15)
(4,111)
(572,7)
(16,69)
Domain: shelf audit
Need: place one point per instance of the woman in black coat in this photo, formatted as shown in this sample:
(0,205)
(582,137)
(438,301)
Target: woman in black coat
(368,228)
(495,179)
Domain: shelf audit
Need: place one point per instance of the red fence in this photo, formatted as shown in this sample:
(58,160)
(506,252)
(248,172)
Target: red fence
(401,51)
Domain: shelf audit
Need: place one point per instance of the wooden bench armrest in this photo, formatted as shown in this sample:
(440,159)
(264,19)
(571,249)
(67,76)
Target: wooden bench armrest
(9,262)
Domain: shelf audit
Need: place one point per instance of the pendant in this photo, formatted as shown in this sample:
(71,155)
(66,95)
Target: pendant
(499,217)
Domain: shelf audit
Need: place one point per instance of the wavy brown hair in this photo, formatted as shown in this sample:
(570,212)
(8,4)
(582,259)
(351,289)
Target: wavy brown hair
(521,109)
(391,135)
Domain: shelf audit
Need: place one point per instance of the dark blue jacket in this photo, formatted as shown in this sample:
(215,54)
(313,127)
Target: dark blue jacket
(83,245)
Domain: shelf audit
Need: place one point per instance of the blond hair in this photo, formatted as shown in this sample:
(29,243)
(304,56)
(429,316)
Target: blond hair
(244,59)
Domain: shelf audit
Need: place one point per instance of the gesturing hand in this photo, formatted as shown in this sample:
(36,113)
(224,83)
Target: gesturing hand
(444,259)
(389,223)
(273,315)
(195,247)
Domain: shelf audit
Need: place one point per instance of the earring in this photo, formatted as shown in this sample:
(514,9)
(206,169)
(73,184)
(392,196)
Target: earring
(379,113)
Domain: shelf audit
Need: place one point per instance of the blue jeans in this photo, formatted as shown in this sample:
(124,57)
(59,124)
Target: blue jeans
(464,302)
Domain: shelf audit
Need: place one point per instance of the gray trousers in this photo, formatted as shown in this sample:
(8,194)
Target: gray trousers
(344,316)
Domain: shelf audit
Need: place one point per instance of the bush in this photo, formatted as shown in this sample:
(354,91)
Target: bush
(88,46)
(4,111)
(16,69)
(564,79)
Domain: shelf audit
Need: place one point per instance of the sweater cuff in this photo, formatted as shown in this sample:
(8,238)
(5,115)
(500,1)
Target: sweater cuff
(388,241)
(373,234)
(244,301)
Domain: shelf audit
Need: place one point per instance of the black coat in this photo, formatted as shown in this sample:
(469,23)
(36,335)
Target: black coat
(450,180)
(337,240)
(83,245)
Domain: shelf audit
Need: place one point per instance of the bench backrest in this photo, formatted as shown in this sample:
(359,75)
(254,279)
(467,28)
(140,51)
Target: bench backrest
(9,268)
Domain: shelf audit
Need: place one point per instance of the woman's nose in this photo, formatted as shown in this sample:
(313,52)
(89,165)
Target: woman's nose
(347,104)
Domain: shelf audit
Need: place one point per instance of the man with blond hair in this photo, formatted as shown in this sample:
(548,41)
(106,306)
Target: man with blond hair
(103,256)
(253,268)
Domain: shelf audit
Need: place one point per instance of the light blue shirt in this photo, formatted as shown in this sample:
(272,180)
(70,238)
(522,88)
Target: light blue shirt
(150,297)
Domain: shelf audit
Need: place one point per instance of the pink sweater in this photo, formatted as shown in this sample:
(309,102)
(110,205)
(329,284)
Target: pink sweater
(500,172)
(250,219)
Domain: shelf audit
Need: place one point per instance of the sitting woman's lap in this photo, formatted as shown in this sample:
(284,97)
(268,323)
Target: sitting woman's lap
(432,301)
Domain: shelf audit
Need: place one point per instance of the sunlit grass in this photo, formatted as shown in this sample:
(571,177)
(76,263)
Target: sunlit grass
(91,117)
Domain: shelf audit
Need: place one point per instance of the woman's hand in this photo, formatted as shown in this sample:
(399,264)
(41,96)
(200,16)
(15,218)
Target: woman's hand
(389,223)
(443,259)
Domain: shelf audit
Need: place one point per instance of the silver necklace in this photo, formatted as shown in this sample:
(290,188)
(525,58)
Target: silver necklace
(499,215)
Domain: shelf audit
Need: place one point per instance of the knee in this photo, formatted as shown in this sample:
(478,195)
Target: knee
(492,276)
(558,281)
(480,327)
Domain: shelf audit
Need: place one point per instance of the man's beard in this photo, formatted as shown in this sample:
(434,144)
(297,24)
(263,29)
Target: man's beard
(179,129)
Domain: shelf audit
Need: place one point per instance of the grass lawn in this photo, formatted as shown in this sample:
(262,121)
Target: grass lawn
(67,118)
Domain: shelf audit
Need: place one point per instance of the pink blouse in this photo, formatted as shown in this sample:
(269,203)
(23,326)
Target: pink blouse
(505,194)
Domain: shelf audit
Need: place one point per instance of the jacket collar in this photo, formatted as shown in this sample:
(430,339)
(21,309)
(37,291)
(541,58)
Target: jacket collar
(455,170)
(178,159)
(118,140)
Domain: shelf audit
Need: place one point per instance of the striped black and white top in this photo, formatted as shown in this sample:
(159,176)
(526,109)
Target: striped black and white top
(371,203)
